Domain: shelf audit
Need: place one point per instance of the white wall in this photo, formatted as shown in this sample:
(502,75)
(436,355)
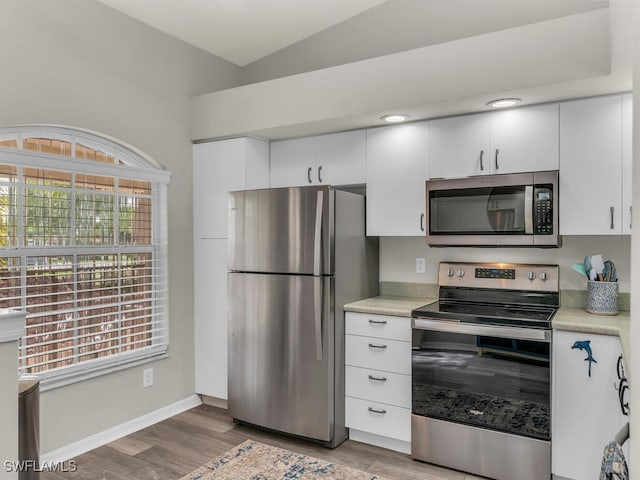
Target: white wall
(398,257)
(79,63)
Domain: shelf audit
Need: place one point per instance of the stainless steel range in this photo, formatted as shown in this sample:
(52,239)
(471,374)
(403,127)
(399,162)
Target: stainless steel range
(481,370)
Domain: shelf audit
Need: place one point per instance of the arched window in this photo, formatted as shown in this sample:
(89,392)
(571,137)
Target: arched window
(83,250)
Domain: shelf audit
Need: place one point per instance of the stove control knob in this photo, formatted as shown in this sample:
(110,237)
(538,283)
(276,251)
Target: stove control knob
(543,276)
(460,273)
(531,276)
(449,273)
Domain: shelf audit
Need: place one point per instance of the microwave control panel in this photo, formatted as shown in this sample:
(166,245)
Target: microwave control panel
(543,210)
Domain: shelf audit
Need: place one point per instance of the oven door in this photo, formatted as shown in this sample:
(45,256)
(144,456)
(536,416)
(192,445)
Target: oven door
(481,399)
(490,377)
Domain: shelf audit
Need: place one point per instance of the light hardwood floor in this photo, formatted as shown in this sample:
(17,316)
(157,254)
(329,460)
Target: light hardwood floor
(177,446)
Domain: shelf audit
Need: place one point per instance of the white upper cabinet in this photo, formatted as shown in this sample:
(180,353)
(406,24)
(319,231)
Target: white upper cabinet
(396,175)
(507,141)
(293,162)
(219,168)
(525,139)
(334,159)
(627,160)
(459,146)
(591,166)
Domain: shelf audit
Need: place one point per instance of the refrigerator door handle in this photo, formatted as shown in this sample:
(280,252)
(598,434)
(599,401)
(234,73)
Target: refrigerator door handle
(317,310)
(317,243)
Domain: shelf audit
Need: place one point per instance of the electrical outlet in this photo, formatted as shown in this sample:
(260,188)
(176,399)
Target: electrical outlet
(147,377)
(420,265)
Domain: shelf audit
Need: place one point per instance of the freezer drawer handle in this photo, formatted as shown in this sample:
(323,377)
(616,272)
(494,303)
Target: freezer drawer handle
(378,379)
(373,410)
(378,322)
(373,345)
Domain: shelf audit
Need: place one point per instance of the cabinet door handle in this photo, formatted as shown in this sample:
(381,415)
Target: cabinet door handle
(630,217)
(378,322)
(319,177)
(481,157)
(611,212)
(309,174)
(378,379)
(373,345)
(422,222)
(497,166)
(373,410)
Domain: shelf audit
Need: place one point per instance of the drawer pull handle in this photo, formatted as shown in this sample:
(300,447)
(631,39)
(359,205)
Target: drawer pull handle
(373,410)
(378,379)
(373,345)
(378,322)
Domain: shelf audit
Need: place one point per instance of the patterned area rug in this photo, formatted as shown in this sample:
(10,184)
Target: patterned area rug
(256,461)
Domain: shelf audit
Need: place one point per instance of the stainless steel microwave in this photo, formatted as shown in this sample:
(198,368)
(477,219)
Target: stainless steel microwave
(519,209)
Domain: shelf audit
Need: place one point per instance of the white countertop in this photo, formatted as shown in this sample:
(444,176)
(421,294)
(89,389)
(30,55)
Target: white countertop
(385,305)
(579,320)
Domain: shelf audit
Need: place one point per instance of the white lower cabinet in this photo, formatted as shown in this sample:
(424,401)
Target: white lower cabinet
(379,418)
(586,411)
(210,310)
(378,379)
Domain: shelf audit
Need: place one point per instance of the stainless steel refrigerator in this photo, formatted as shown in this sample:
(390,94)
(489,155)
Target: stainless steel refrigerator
(296,256)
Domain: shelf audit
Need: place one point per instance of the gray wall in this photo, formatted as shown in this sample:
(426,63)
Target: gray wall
(79,63)
(398,257)
(402,25)
(8,408)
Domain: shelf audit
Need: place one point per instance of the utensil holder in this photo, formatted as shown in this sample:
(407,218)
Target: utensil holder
(602,297)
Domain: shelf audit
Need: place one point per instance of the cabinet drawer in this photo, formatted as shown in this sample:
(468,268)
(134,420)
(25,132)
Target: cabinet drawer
(385,420)
(380,326)
(385,387)
(378,354)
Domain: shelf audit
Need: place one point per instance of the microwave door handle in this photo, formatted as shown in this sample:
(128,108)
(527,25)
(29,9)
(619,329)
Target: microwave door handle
(528,209)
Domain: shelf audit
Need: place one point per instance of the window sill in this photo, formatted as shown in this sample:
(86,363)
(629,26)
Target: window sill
(58,381)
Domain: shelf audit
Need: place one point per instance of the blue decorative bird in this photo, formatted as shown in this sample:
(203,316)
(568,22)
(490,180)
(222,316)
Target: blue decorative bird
(586,346)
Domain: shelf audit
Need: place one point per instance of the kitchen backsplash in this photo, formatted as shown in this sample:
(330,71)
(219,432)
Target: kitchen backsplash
(398,259)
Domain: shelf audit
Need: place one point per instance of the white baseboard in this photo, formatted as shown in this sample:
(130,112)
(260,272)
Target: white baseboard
(114,433)
(380,441)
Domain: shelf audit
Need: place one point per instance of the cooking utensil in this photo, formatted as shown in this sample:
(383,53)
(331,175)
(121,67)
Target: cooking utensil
(587,264)
(597,263)
(609,273)
(579,267)
(592,274)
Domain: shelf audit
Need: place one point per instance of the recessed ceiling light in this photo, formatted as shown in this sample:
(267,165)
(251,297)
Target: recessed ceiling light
(395,118)
(504,102)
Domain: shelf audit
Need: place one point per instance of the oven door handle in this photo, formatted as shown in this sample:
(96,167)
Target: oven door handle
(516,333)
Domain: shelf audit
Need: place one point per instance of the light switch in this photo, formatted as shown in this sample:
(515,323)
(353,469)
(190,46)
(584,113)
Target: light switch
(420,265)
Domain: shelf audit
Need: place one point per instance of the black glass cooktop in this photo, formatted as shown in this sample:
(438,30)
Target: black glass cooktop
(488,313)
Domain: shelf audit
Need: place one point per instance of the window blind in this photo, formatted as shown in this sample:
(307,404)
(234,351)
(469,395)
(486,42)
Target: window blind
(83,251)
